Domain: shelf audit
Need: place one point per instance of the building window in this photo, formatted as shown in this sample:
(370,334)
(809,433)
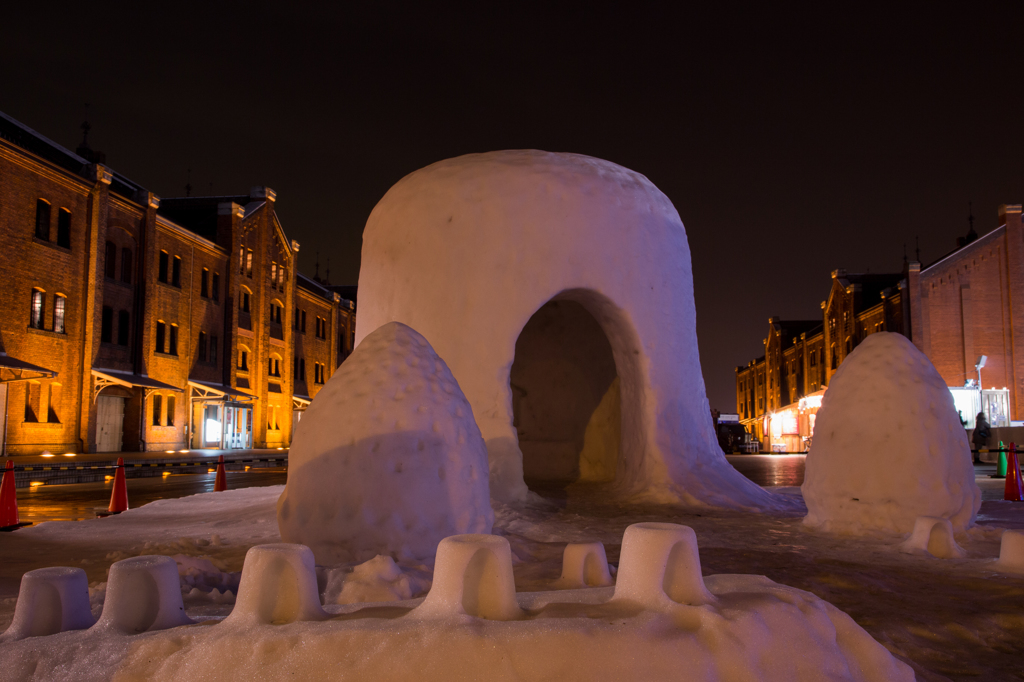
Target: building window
(163,267)
(243,361)
(43,220)
(38,302)
(273,275)
(216,287)
(59,312)
(107,325)
(110,260)
(123,327)
(213,349)
(33,392)
(274,367)
(244,303)
(280,278)
(302,325)
(248,263)
(126,265)
(173,350)
(64,228)
(202,347)
(170,410)
(241,260)
(161,331)
(204,284)
(158,404)
(176,273)
(272,419)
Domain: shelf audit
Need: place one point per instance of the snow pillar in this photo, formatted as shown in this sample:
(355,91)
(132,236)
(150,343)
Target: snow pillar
(585,564)
(1011,552)
(143,594)
(660,567)
(278,586)
(935,536)
(473,577)
(51,600)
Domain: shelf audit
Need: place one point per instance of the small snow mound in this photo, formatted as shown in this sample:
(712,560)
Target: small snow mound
(378,580)
(387,459)
(888,446)
(1011,552)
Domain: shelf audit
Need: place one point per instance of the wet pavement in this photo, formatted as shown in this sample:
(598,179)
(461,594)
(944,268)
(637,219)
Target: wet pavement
(770,470)
(79,501)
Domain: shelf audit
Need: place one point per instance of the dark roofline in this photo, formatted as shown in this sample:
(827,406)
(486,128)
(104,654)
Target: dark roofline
(20,135)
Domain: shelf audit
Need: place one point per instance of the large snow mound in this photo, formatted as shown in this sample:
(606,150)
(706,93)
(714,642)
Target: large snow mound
(387,459)
(888,446)
(469,249)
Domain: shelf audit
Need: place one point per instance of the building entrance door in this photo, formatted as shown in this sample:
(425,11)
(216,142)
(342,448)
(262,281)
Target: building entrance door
(238,428)
(109,423)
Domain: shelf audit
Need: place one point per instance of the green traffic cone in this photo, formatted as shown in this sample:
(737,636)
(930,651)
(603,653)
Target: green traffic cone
(1001,468)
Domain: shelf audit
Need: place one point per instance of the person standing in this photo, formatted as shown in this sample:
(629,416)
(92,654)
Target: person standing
(981,435)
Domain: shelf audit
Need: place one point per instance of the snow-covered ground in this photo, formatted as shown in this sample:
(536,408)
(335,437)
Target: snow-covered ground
(947,618)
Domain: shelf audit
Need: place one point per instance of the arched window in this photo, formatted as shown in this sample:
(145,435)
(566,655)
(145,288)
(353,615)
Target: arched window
(33,394)
(243,301)
(110,260)
(833,351)
(173,345)
(123,327)
(126,265)
(38,305)
(161,332)
(43,219)
(64,228)
(243,358)
(59,312)
(107,325)
(170,411)
(54,407)
(176,272)
(158,407)
(163,267)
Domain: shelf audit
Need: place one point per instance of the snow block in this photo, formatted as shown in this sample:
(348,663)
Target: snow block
(934,536)
(472,577)
(387,459)
(1011,552)
(278,586)
(888,446)
(584,564)
(659,567)
(467,250)
(143,594)
(51,600)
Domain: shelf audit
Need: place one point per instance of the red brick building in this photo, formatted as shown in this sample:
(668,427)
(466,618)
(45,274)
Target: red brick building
(966,304)
(135,323)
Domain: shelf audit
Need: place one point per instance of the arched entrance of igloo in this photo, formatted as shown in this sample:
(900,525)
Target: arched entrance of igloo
(566,394)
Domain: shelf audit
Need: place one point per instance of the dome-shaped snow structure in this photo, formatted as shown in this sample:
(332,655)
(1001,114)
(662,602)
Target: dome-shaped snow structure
(387,459)
(558,288)
(888,445)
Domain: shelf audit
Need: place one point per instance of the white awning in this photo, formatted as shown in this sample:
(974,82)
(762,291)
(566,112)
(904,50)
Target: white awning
(13,369)
(109,377)
(209,391)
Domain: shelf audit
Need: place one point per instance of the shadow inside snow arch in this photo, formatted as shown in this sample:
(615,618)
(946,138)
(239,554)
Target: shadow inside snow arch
(571,419)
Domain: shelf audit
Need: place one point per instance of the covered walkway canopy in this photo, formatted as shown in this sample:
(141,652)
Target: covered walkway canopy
(207,391)
(109,377)
(13,369)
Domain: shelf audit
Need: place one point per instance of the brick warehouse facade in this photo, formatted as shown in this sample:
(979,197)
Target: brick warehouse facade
(156,324)
(968,303)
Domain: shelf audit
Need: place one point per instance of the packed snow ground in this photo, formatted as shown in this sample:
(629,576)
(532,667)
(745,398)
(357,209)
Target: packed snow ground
(948,618)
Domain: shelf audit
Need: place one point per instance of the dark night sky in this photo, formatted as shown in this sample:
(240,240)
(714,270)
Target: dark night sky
(791,144)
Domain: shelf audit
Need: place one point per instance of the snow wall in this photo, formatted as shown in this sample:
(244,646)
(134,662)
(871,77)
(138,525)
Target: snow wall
(888,445)
(467,250)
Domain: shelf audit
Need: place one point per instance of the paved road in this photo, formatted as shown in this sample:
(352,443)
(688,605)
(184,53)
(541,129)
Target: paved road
(770,470)
(77,501)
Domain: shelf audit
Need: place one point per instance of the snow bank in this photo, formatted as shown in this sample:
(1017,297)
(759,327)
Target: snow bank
(888,446)
(467,250)
(387,459)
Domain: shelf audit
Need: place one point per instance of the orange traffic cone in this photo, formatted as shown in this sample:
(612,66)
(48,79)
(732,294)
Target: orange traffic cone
(1013,489)
(222,480)
(8,500)
(119,495)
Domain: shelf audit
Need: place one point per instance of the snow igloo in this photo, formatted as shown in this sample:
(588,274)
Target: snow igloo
(558,289)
